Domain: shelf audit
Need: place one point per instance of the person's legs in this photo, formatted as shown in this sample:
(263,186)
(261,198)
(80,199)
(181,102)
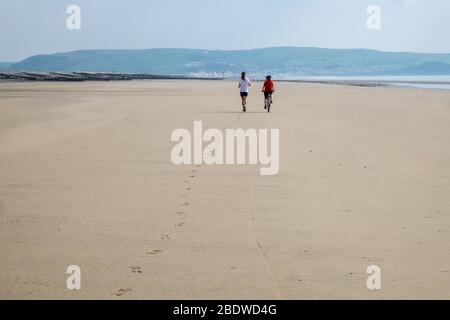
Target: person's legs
(244,101)
(266,100)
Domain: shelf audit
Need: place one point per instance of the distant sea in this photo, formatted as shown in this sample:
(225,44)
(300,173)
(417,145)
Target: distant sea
(427,82)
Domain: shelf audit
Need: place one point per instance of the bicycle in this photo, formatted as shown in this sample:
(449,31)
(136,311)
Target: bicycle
(268,101)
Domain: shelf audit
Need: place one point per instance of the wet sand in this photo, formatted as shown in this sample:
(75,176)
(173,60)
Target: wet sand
(86,179)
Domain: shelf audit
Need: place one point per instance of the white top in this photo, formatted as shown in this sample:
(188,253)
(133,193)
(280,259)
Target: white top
(244,85)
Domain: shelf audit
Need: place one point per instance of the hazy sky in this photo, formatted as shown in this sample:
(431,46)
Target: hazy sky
(31,27)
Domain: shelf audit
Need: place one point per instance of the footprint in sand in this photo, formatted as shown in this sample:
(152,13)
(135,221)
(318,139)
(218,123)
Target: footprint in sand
(181,213)
(185,204)
(165,237)
(180,224)
(136,269)
(189,188)
(122,292)
(154,252)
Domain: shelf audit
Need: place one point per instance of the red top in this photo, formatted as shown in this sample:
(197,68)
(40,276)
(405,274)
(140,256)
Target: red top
(268,86)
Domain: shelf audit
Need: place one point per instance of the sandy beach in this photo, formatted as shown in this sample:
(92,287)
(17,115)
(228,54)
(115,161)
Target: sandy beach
(86,179)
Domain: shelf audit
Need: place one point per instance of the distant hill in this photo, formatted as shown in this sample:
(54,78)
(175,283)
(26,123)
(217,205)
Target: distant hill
(5,65)
(280,60)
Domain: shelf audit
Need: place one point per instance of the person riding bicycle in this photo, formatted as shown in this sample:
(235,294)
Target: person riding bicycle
(268,89)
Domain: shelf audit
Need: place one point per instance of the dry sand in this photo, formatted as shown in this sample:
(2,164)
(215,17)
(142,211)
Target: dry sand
(86,179)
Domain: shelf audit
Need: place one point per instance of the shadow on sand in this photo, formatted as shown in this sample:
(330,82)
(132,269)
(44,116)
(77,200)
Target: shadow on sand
(233,112)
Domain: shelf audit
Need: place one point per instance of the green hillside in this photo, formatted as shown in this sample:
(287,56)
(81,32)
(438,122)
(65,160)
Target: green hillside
(280,60)
(5,65)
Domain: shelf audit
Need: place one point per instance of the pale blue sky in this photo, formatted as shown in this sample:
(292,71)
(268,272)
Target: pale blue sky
(31,27)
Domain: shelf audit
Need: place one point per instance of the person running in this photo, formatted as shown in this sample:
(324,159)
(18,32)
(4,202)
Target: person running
(268,89)
(244,83)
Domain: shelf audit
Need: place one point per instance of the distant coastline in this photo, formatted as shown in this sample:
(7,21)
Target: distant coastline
(429,82)
(289,62)
(90,76)
(425,82)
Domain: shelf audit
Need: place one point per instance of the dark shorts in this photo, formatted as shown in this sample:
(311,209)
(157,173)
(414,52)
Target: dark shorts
(267,94)
(244,94)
